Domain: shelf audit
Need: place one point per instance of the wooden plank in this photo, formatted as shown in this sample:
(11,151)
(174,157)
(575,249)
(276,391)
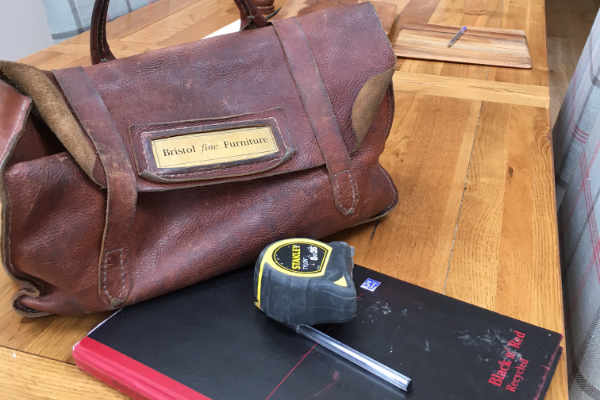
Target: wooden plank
(418,11)
(136,20)
(51,337)
(41,57)
(212,20)
(475,13)
(387,10)
(484,46)
(119,46)
(471,89)
(427,156)
(451,12)
(26,376)
(200,19)
(528,16)
(505,255)
(387,13)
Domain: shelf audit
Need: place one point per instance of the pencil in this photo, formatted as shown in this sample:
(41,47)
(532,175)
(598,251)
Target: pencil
(457,36)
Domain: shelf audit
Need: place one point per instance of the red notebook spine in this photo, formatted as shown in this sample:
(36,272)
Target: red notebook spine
(127,375)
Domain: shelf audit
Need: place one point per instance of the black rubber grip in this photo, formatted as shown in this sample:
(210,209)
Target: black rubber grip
(295,299)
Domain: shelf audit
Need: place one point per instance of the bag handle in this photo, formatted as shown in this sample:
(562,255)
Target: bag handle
(100,50)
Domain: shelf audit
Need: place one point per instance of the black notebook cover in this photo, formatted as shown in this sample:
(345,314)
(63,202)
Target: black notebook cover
(210,341)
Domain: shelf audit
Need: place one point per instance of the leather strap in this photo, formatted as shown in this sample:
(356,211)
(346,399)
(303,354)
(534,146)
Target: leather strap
(250,17)
(114,282)
(316,102)
(265,7)
(100,50)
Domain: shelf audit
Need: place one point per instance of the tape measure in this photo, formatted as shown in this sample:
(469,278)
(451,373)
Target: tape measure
(304,281)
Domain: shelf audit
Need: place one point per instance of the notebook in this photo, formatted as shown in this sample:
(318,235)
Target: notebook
(209,341)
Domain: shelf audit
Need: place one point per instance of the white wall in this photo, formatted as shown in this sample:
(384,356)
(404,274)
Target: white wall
(23,28)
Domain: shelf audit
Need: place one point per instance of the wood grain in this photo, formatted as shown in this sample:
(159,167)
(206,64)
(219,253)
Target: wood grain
(472,89)
(27,376)
(506,235)
(387,10)
(51,337)
(413,243)
(484,46)
(468,151)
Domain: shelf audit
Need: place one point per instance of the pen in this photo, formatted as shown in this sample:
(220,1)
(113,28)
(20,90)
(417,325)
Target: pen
(367,363)
(457,36)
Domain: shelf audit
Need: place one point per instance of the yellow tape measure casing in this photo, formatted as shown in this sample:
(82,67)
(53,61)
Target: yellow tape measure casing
(306,258)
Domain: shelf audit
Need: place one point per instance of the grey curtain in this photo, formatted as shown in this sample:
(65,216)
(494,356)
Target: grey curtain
(68,18)
(576,138)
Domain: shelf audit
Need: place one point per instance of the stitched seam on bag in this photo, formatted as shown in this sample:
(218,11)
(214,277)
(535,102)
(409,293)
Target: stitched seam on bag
(335,122)
(120,297)
(6,235)
(301,94)
(105,274)
(28,281)
(355,194)
(268,165)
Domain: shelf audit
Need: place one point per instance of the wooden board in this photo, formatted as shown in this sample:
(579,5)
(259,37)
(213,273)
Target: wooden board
(484,46)
(387,10)
(27,376)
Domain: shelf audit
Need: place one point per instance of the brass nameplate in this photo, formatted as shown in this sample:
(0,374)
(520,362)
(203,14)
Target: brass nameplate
(217,147)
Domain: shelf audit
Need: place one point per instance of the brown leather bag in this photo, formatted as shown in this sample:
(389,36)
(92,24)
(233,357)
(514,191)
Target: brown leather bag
(135,177)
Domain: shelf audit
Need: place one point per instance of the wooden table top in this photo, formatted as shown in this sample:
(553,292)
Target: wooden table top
(470,154)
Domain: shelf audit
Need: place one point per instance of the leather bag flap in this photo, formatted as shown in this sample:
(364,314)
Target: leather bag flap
(229,108)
